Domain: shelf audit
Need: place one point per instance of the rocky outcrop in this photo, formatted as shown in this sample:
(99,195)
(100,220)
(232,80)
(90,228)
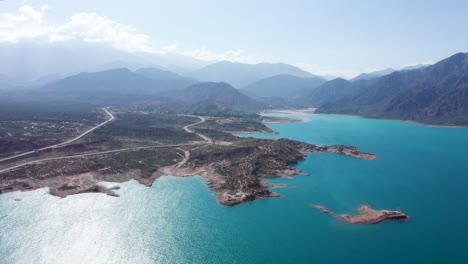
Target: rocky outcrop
(367,215)
(235,170)
(350,151)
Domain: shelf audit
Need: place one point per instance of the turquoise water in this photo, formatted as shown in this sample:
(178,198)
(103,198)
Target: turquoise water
(421,170)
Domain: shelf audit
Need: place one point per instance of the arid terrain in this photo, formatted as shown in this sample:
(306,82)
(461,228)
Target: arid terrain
(144,146)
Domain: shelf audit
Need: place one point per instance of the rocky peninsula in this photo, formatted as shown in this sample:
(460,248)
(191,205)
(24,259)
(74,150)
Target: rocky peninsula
(235,170)
(233,166)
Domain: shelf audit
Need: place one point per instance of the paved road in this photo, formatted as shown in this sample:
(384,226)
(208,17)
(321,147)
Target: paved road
(111,117)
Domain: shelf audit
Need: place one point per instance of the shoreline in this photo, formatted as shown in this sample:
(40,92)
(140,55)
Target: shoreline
(282,120)
(401,120)
(287,120)
(235,133)
(432,125)
(214,171)
(291,111)
(304,111)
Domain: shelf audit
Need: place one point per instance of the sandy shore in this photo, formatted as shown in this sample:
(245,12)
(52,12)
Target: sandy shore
(403,120)
(434,125)
(291,111)
(273,120)
(287,120)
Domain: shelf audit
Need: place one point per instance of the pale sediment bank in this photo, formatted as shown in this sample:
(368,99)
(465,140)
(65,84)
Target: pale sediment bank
(283,120)
(291,111)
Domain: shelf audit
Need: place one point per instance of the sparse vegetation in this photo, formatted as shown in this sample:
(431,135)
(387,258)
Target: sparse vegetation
(28,125)
(236,164)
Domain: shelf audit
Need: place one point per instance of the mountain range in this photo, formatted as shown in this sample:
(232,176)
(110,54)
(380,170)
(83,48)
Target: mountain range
(26,61)
(144,86)
(433,94)
(219,92)
(117,86)
(29,60)
(372,75)
(282,85)
(242,74)
(377,74)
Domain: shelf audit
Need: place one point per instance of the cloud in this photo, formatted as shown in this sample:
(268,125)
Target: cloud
(90,27)
(229,55)
(171,47)
(28,23)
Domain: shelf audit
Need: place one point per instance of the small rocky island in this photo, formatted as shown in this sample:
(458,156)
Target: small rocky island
(367,215)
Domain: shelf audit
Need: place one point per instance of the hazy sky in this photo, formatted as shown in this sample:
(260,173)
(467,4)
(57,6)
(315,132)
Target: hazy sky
(324,37)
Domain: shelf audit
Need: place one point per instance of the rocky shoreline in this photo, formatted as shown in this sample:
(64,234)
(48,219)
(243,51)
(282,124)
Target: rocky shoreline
(235,171)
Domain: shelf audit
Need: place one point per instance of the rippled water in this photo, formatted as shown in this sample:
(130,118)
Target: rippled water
(421,170)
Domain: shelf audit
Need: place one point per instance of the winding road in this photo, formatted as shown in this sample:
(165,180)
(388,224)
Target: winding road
(202,120)
(186,128)
(96,153)
(111,117)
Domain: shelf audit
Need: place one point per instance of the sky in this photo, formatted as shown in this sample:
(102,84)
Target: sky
(339,38)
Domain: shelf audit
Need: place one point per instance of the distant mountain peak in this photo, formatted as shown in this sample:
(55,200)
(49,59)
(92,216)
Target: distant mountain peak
(281,85)
(435,94)
(373,75)
(158,74)
(220,92)
(241,74)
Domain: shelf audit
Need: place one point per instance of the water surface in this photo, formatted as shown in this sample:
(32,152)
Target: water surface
(421,170)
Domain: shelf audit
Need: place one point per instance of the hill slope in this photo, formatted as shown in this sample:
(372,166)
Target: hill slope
(241,74)
(118,86)
(282,85)
(218,94)
(373,75)
(434,94)
(157,74)
(328,92)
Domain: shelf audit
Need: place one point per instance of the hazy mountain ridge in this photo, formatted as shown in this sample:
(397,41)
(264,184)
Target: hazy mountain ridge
(163,75)
(119,86)
(219,92)
(29,60)
(428,93)
(241,74)
(372,75)
(124,87)
(436,93)
(330,91)
(282,85)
